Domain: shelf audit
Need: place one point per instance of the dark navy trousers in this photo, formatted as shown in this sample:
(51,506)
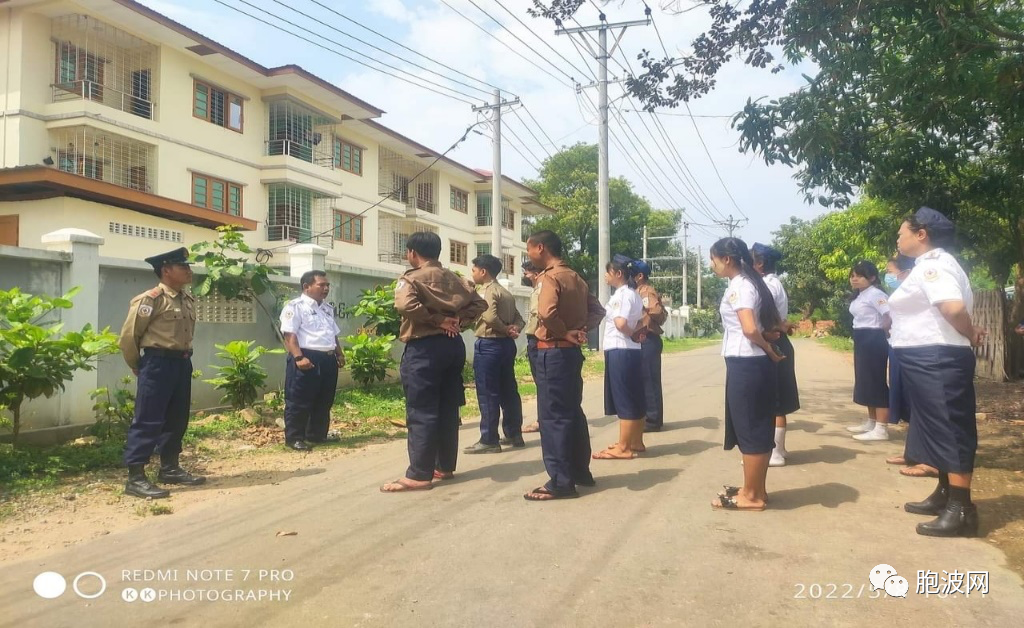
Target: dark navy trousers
(564,434)
(431,373)
(494,363)
(162,402)
(650,351)
(308,396)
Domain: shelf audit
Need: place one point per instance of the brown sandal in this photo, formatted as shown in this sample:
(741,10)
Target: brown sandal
(920,471)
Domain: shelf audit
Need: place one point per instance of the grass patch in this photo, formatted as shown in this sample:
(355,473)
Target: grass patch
(675,345)
(837,343)
(33,468)
(221,426)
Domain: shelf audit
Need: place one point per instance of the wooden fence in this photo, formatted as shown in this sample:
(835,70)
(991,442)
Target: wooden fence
(999,357)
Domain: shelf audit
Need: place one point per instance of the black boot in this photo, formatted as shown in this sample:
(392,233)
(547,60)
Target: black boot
(172,473)
(955,520)
(139,486)
(932,505)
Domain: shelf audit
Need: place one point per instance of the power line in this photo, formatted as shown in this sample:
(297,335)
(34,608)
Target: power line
(680,115)
(515,112)
(377,48)
(401,45)
(262,255)
(514,51)
(695,128)
(542,40)
(343,55)
(529,113)
(518,139)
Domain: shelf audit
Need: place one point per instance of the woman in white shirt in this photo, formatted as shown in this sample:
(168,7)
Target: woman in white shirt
(747,310)
(623,362)
(870,310)
(932,335)
(766,260)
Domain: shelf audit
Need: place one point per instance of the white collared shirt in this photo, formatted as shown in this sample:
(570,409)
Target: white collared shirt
(627,304)
(916,322)
(740,294)
(313,324)
(869,308)
(779,294)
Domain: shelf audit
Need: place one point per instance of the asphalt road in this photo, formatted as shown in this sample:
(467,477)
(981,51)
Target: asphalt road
(643,548)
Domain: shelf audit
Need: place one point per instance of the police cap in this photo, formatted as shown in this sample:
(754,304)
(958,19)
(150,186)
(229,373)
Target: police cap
(935,221)
(765,252)
(177,256)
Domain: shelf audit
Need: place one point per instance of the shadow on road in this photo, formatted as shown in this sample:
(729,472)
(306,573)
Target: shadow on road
(252,478)
(829,454)
(830,495)
(638,481)
(500,472)
(687,448)
(708,423)
(812,427)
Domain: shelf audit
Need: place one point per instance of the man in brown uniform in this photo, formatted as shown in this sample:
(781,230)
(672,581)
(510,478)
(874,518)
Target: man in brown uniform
(530,273)
(565,311)
(435,305)
(156,342)
(494,361)
(648,334)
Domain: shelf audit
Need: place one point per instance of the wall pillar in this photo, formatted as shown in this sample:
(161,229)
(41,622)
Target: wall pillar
(83,272)
(307,257)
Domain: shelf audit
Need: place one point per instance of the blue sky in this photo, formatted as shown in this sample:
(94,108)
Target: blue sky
(768,196)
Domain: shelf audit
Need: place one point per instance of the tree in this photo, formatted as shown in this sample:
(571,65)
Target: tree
(915,103)
(568,183)
(36,359)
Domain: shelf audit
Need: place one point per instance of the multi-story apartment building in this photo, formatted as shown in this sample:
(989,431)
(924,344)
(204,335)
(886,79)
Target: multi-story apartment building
(118,120)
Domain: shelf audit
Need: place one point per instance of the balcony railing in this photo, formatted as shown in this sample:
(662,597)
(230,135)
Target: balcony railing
(314,151)
(104,95)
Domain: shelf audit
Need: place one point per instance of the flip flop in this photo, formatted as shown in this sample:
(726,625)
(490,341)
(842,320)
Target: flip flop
(900,460)
(608,455)
(404,488)
(729,503)
(443,475)
(542,494)
(731,491)
(919,471)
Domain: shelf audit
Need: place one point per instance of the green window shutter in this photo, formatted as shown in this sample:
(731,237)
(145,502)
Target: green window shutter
(217,196)
(358,226)
(357,161)
(235,200)
(201,101)
(199,191)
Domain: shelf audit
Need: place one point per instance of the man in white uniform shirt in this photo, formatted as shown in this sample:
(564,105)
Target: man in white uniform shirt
(314,357)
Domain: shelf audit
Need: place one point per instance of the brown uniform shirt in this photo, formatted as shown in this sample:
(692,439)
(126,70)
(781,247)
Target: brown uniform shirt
(158,319)
(501,312)
(654,312)
(531,319)
(564,303)
(425,296)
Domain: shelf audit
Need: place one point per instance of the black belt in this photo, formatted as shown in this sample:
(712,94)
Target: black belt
(318,351)
(168,353)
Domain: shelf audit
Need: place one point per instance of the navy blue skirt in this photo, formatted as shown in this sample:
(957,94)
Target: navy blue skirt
(624,384)
(750,402)
(870,357)
(938,381)
(788,398)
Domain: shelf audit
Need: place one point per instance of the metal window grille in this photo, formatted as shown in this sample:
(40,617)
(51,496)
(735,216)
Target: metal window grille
(96,61)
(483,210)
(401,179)
(299,215)
(214,308)
(139,231)
(96,154)
(483,248)
(392,236)
(508,261)
(300,132)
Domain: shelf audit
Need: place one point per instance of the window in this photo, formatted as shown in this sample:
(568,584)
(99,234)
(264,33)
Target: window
(290,213)
(348,227)
(509,263)
(460,200)
(459,252)
(216,194)
(483,248)
(348,157)
(79,72)
(217,106)
(425,197)
(508,219)
(70,161)
(399,188)
(483,210)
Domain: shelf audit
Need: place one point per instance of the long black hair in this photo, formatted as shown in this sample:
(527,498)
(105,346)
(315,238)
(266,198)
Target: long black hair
(624,265)
(737,251)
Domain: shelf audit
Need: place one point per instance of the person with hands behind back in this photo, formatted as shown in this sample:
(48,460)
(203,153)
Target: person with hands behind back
(565,311)
(435,305)
(649,336)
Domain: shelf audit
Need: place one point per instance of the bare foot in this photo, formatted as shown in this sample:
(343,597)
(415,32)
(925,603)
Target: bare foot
(531,428)
(404,485)
(614,453)
(443,475)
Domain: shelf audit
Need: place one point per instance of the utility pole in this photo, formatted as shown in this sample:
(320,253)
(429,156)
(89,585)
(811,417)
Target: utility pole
(698,275)
(602,54)
(497,210)
(731,225)
(686,229)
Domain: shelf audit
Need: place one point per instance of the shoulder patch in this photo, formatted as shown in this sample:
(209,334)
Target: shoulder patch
(145,310)
(733,297)
(882,301)
(540,284)
(930,274)
(154,293)
(288,314)
(399,285)
(647,302)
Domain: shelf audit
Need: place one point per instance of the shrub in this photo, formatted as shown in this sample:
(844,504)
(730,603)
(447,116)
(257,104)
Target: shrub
(704,322)
(114,411)
(378,306)
(242,378)
(369,357)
